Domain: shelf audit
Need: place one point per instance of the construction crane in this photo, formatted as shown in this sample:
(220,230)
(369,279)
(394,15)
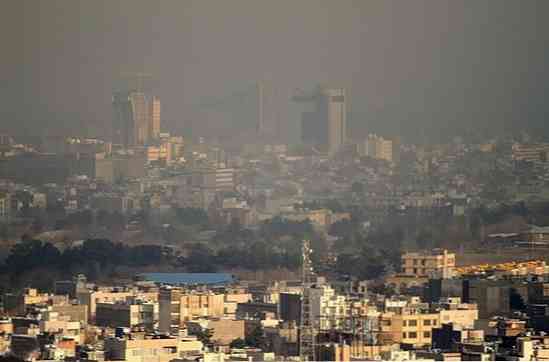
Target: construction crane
(307,328)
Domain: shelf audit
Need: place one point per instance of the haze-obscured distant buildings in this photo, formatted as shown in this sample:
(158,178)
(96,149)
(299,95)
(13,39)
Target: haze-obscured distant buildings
(136,118)
(167,150)
(377,147)
(534,152)
(325,127)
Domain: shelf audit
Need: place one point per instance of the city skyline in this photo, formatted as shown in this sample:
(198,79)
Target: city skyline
(429,67)
(274,180)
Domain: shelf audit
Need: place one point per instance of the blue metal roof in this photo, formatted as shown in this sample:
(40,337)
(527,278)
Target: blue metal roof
(189,278)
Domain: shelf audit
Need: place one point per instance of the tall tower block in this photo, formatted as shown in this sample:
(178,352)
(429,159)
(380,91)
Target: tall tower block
(260,128)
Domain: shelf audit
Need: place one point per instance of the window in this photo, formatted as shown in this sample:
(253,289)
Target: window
(403,334)
(427,334)
(404,323)
(427,322)
(434,322)
(412,323)
(412,335)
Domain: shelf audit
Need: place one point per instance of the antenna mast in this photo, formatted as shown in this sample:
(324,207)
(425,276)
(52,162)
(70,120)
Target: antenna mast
(306,328)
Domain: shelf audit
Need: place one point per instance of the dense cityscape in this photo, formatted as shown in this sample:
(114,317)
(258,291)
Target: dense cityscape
(156,247)
(246,232)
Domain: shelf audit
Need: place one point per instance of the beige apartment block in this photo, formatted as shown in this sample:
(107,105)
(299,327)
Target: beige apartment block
(436,263)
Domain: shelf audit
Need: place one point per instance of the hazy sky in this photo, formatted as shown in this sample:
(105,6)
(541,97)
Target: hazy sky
(410,64)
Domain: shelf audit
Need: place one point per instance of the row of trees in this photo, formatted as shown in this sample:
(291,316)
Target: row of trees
(277,243)
(259,255)
(96,258)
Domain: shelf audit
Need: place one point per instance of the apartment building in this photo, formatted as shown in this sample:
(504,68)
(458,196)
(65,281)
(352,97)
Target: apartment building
(91,298)
(414,328)
(533,348)
(52,322)
(202,305)
(224,330)
(17,304)
(458,313)
(176,306)
(125,314)
(233,299)
(327,307)
(75,312)
(436,263)
(150,348)
(414,323)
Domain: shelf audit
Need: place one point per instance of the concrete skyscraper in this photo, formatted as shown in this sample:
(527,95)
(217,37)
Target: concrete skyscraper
(136,112)
(140,111)
(336,114)
(123,123)
(136,118)
(154,124)
(267,118)
(325,126)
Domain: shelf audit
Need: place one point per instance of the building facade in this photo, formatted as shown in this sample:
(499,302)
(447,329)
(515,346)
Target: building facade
(325,126)
(376,147)
(337,118)
(136,118)
(154,124)
(434,264)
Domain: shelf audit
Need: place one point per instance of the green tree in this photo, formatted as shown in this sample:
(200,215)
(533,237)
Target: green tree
(256,338)
(201,260)
(205,336)
(237,343)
